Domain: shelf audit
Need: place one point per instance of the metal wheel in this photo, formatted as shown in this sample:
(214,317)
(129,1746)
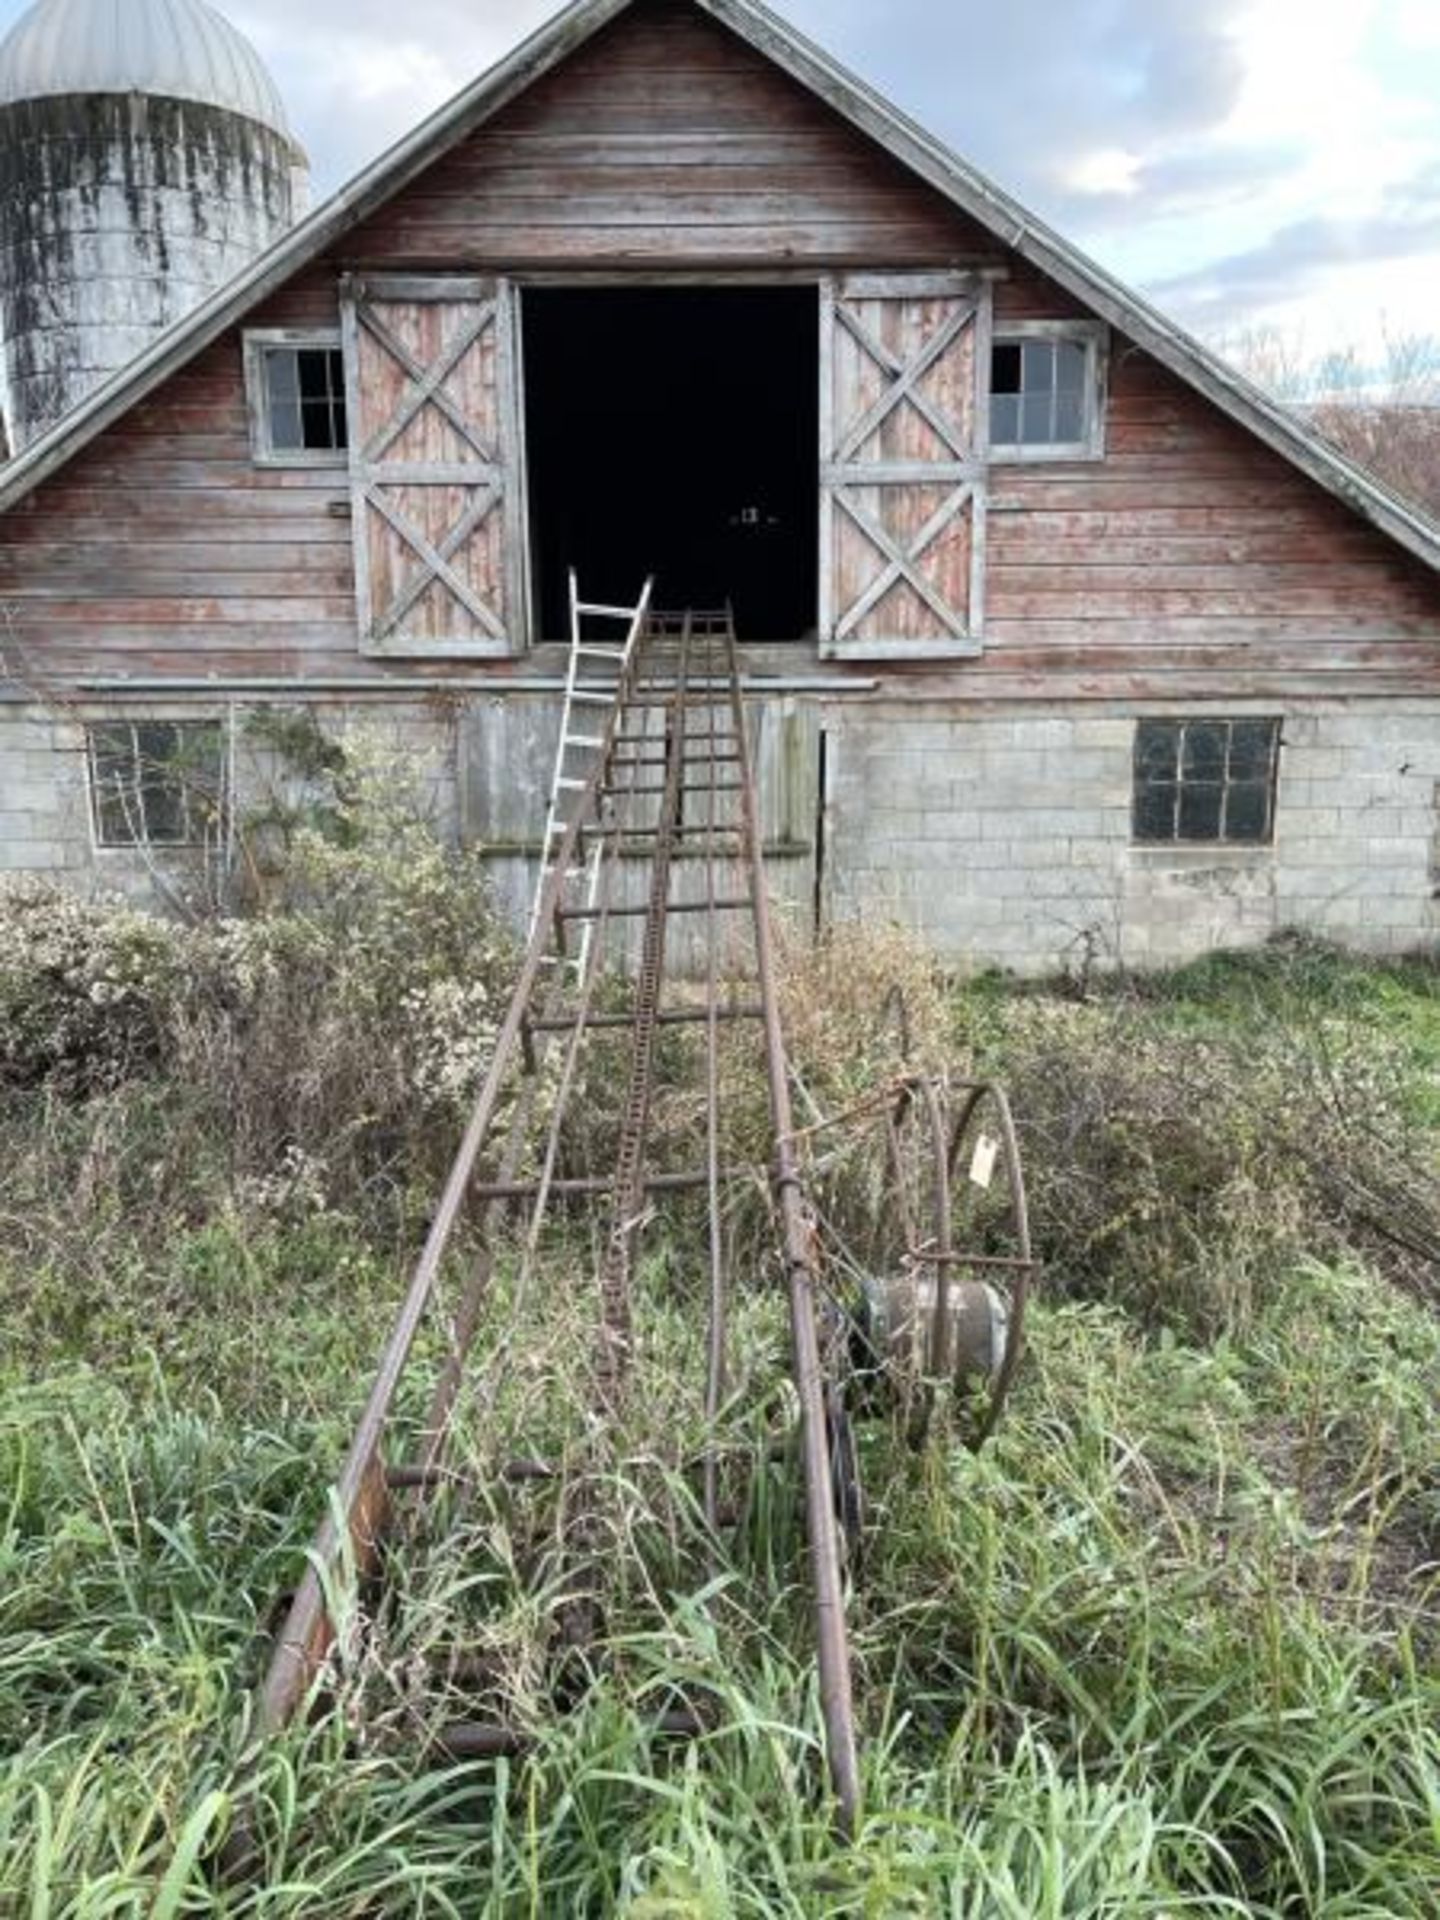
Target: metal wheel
(1001,1241)
(845,1472)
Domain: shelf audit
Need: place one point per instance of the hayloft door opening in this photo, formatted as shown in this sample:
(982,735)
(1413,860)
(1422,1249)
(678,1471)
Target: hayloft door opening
(674,431)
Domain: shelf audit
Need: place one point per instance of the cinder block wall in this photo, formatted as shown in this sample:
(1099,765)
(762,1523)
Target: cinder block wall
(45,815)
(44,798)
(1006,838)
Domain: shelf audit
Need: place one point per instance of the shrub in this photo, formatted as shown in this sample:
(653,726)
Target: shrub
(86,990)
(318,1053)
(1177,1168)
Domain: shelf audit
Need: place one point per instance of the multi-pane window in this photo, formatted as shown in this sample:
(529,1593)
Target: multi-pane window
(1205,780)
(1045,399)
(156,782)
(297,399)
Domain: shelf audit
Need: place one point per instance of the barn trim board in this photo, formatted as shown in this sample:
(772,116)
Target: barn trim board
(964,186)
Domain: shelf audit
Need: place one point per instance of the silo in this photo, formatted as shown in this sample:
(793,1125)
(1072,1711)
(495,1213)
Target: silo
(144,160)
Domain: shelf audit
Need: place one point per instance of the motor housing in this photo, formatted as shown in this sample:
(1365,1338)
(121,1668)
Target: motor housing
(898,1317)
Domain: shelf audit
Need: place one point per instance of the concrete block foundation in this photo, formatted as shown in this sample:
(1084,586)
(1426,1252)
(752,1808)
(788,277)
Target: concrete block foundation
(1003,837)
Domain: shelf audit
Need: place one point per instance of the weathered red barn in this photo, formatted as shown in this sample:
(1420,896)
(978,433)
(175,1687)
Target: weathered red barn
(1059,632)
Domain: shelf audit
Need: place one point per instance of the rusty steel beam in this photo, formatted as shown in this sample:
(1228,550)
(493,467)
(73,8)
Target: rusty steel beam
(802,1278)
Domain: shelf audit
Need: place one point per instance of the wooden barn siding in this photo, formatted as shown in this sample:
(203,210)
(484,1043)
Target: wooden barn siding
(1191,561)
(666,139)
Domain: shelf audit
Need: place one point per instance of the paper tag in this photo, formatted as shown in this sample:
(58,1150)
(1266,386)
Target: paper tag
(982,1161)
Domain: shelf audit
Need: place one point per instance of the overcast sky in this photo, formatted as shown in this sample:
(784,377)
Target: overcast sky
(1244,162)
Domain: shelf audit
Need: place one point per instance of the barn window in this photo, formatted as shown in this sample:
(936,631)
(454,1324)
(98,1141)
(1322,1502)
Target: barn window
(156,782)
(1210,781)
(296,386)
(1047,391)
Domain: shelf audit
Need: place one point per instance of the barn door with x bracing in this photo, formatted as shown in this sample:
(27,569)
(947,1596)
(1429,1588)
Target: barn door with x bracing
(904,363)
(436,496)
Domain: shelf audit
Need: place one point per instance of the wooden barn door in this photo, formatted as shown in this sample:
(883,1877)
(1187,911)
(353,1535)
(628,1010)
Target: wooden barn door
(904,365)
(437,494)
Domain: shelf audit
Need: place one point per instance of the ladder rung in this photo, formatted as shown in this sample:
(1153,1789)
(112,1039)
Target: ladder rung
(592,697)
(592,652)
(693,836)
(487,1740)
(570,785)
(688,791)
(602,1183)
(583,740)
(604,613)
(668,1017)
(692,758)
(728,905)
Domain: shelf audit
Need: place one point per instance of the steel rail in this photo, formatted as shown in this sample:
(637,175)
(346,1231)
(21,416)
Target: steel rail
(629,1190)
(716,1340)
(831,1635)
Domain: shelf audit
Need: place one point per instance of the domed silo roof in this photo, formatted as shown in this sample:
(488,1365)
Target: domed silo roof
(180,49)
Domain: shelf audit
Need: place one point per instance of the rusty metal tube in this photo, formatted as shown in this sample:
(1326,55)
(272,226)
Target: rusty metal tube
(831,1636)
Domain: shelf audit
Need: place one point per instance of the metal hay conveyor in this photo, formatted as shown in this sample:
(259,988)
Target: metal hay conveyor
(653,781)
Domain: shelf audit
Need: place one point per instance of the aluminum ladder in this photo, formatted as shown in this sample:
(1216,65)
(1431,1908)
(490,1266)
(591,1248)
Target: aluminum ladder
(595,676)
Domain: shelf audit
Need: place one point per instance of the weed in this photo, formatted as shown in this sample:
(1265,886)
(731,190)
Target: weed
(1172,1643)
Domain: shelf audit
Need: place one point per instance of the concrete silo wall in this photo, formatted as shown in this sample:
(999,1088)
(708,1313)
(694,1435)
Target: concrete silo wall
(118,214)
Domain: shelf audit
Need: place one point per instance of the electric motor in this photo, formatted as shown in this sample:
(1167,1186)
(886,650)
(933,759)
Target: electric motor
(898,1316)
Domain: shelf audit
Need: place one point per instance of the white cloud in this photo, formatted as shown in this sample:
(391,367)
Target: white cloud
(1171,136)
(1106,170)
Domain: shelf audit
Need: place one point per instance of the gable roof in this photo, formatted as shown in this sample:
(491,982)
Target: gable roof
(954,178)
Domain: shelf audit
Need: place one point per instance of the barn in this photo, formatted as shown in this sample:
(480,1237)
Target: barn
(1060,639)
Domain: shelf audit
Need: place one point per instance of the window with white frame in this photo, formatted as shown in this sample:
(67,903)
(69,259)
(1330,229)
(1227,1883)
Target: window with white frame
(296,388)
(1047,390)
(157,783)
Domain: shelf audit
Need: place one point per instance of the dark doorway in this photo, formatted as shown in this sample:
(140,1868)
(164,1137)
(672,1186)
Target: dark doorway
(674,431)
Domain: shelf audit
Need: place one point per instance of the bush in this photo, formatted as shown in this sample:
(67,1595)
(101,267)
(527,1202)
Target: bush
(1179,1168)
(86,991)
(318,1054)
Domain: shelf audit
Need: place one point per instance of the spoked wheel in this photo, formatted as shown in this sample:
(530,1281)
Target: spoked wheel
(845,1482)
(1000,1224)
(917,1201)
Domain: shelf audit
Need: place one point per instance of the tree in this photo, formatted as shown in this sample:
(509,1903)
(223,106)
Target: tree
(1385,417)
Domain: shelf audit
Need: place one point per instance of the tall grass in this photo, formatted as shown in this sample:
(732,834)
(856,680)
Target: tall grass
(1171,1644)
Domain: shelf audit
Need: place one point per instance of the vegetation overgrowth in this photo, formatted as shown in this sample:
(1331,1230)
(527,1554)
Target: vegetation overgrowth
(1170,1644)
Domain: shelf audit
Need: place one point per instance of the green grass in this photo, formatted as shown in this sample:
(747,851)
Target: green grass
(1172,1644)
(1306,986)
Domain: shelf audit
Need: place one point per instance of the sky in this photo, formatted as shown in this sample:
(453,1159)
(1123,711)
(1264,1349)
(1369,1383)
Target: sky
(1251,165)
